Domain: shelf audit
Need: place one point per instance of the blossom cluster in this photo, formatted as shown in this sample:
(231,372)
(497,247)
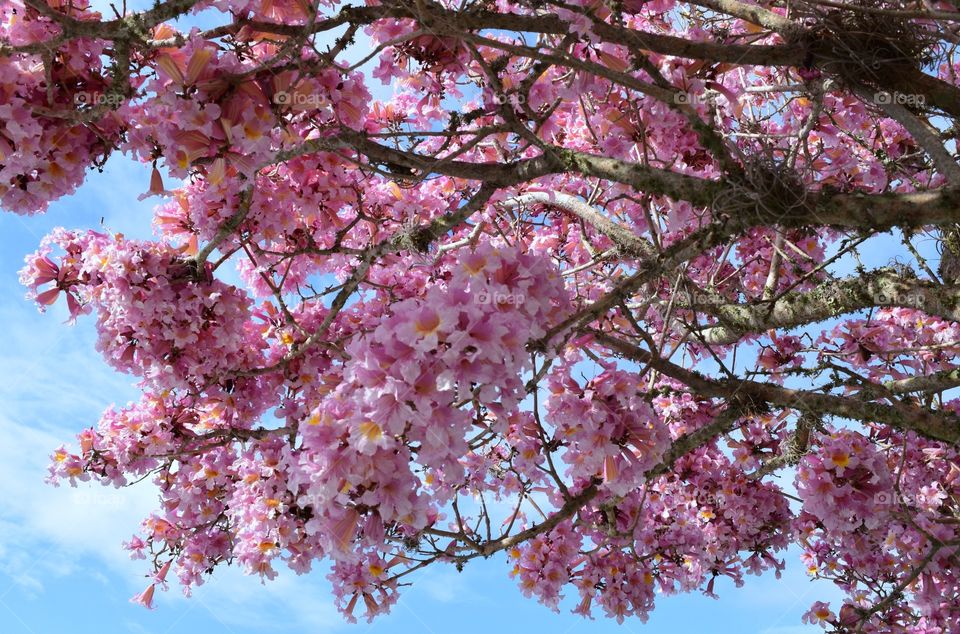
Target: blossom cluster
(403,358)
(45,145)
(158,316)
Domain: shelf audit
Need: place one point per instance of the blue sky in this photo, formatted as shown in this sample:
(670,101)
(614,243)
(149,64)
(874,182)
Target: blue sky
(62,568)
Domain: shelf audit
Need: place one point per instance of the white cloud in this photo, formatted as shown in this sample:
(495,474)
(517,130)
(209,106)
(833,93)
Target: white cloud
(237,599)
(47,530)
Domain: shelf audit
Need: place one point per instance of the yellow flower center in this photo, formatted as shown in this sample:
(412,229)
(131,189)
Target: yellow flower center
(841,458)
(371,431)
(427,323)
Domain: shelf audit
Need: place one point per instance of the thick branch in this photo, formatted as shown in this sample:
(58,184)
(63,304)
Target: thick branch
(884,287)
(625,239)
(906,417)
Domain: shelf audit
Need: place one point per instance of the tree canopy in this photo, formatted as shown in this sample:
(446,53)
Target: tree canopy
(582,288)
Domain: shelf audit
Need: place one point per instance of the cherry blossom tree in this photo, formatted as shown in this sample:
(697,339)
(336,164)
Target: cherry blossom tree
(585,293)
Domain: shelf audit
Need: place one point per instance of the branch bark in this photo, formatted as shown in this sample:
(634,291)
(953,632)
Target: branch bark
(904,416)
